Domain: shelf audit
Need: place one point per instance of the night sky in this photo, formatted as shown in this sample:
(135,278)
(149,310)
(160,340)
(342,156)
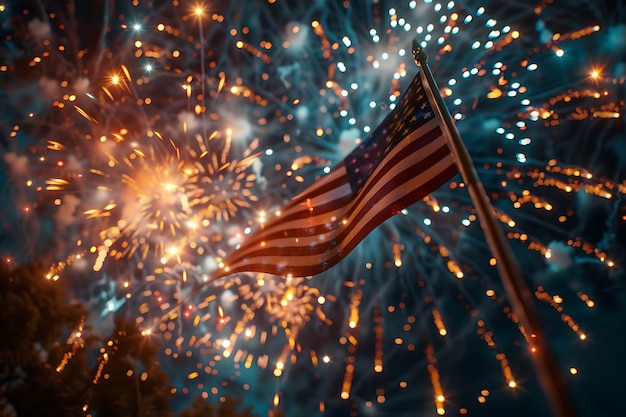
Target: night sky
(142,141)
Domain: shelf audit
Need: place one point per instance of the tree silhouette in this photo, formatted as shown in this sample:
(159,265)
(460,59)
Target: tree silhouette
(132,382)
(51,366)
(47,369)
(227,407)
(34,315)
(33,318)
(199,408)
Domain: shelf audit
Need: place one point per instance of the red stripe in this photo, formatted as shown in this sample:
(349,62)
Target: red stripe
(415,141)
(321,209)
(314,191)
(370,202)
(345,202)
(383,215)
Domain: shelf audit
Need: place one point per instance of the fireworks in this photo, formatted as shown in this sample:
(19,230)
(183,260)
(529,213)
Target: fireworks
(149,147)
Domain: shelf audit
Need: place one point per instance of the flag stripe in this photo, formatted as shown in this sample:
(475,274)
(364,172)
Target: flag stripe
(363,213)
(337,178)
(387,199)
(291,218)
(314,264)
(321,223)
(382,198)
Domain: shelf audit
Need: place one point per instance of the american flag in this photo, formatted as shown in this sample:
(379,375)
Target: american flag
(401,162)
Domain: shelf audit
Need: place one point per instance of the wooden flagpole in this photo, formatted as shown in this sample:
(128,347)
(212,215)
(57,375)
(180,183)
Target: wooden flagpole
(519,294)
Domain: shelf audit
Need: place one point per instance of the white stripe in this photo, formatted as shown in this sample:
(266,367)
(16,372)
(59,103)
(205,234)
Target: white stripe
(345,189)
(335,173)
(309,260)
(314,220)
(331,195)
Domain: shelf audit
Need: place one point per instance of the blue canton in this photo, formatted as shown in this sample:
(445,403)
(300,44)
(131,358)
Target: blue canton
(413,111)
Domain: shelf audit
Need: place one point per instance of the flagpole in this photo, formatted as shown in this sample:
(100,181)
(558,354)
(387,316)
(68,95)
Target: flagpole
(519,294)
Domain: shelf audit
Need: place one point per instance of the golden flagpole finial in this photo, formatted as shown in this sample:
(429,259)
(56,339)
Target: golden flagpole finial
(418,54)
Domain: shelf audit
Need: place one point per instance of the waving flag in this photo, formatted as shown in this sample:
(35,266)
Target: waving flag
(402,161)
